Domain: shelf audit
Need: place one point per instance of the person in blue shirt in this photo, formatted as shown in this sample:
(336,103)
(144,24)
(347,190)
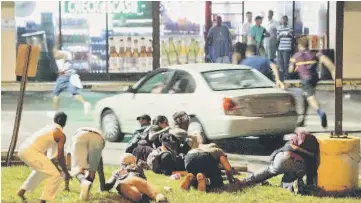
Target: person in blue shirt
(262,64)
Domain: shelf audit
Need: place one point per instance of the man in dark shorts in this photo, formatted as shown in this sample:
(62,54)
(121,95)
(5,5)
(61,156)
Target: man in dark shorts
(304,62)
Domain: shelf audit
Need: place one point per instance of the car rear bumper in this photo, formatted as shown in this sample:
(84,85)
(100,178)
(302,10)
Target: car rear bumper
(235,126)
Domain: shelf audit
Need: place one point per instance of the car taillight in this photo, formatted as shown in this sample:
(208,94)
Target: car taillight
(231,107)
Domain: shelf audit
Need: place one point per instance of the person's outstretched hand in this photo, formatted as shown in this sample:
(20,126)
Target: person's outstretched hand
(280,84)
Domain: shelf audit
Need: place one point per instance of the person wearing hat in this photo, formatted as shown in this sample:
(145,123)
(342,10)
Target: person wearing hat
(86,149)
(144,120)
(37,152)
(202,163)
(131,182)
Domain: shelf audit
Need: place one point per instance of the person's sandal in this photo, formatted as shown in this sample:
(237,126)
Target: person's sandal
(201,182)
(185,184)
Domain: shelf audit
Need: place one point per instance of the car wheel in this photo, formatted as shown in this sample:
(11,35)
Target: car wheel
(110,127)
(196,126)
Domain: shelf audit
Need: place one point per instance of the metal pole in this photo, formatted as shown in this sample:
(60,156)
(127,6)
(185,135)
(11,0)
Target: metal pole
(208,16)
(339,63)
(19,109)
(156,33)
(60,32)
(107,41)
(328,26)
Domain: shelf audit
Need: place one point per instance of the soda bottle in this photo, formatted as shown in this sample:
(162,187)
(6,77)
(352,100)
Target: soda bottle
(172,52)
(150,56)
(164,54)
(143,59)
(136,54)
(193,51)
(200,54)
(182,55)
(121,55)
(113,59)
(128,59)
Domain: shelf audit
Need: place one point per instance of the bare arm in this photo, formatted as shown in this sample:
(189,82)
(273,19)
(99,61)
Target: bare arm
(277,76)
(328,63)
(291,67)
(61,139)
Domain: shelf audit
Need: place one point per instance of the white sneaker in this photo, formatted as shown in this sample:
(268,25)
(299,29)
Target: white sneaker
(84,190)
(87,108)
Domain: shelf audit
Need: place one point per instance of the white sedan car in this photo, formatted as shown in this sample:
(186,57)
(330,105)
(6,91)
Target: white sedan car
(223,100)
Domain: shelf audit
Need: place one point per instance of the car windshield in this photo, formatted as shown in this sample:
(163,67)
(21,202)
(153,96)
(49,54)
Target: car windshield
(233,79)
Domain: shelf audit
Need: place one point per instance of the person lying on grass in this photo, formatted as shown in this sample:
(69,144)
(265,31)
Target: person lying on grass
(130,181)
(202,163)
(297,158)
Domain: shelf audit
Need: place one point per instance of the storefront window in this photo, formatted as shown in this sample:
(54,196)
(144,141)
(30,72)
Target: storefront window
(130,36)
(279,8)
(182,33)
(311,20)
(231,13)
(83,34)
(36,23)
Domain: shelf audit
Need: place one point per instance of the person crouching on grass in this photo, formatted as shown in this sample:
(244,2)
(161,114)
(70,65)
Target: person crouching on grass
(131,182)
(202,163)
(37,152)
(296,158)
(87,146)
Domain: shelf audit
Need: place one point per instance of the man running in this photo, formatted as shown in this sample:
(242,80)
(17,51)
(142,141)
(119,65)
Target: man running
(67,80)
(304,62)
(87,147)
(50,140)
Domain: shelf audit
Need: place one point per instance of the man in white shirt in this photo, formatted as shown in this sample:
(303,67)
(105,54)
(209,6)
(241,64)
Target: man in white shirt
(270,43)
(246,28)
(37,152)
(87,146)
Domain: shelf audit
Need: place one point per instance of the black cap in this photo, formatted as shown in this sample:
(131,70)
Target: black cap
(144,117)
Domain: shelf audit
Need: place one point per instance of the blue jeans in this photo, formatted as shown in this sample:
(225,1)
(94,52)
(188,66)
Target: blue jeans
(282,164)
(283,63)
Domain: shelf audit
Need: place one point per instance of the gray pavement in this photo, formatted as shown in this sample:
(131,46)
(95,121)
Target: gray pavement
(36,106)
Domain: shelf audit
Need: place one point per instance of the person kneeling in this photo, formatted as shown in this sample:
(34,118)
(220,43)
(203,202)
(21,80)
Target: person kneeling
(297,158)
(131,182)
(203,163)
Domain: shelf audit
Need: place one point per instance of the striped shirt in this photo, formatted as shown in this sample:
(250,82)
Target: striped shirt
(285,37)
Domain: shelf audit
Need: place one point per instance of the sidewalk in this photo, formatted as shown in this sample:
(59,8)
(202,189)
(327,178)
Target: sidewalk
(111,86)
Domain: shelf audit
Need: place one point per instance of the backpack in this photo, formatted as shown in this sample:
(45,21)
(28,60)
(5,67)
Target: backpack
(154,160)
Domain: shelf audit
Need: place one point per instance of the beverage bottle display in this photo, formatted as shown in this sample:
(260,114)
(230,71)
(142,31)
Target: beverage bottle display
(113,60)
(128,58)
(200,54)
(136,55)
(142,60)
(182,54)
(121,55)
(193,51)
(150,56)
(164,54)
(172,52)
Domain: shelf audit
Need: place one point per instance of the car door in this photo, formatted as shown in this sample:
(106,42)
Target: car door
(147,94)
(179,95)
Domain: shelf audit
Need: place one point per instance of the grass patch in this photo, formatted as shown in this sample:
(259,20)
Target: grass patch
(13,177)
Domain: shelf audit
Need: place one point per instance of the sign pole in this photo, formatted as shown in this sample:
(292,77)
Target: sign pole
(339,63)
(19,109)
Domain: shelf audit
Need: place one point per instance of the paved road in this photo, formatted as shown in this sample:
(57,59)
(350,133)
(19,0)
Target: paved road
(37,104)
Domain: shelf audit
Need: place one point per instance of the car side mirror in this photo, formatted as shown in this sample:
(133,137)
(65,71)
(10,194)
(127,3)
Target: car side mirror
(129,89)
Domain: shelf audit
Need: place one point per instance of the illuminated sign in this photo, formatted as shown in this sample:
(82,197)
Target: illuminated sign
(129,9)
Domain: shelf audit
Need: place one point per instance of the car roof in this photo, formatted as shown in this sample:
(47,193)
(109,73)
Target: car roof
(204,67)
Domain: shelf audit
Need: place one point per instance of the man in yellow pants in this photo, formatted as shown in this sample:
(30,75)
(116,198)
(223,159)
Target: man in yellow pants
(50,140)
